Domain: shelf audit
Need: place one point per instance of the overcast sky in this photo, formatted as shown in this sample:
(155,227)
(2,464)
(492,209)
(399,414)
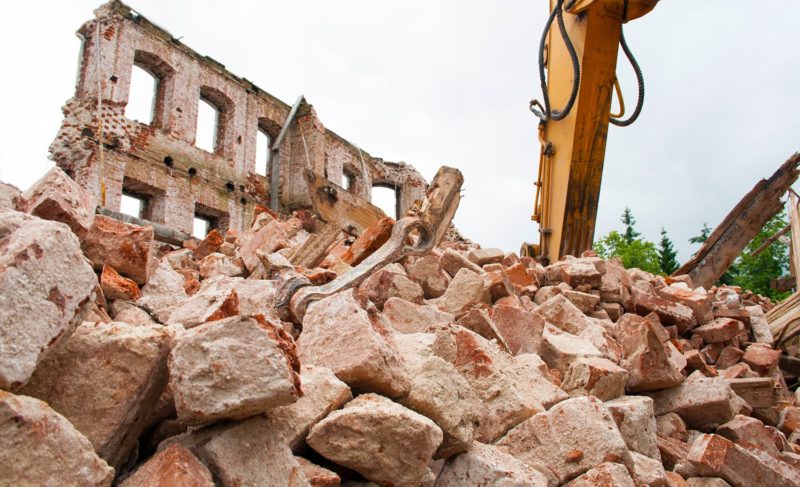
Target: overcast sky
(447,83)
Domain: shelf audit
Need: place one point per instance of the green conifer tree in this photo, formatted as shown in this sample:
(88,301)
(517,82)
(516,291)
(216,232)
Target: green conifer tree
(667,256)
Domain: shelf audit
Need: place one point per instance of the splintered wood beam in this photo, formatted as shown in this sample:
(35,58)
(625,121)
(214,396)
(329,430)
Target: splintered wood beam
(771,240)
(740,226)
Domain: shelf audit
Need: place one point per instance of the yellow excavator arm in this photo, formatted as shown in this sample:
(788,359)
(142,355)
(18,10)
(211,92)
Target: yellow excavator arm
(578,59)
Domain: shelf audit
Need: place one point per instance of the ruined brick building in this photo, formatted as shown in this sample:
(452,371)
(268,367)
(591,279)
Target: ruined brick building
(159,162)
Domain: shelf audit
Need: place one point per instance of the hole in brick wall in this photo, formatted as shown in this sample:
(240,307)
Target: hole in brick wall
(243,201)
(262,152)
(87,132)
(241,188)
(113,78)
(207,120)
(133,205)
(200,227)
(141,96)
(387,199)
(192,172)
(168,161)
(202,224)
(230,186)
(239,139)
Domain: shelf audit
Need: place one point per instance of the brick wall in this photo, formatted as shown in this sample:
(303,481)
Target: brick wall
(110,154)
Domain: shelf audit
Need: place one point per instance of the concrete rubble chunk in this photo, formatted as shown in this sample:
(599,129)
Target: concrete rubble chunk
(322,393)
(441,394)
(232,369)
(216,264)
(648,471)
(124,246)
(503,387)
(559,349)
(604,475)
(583,301)
(594,376)
(378,438)
(162,292)
(673,452)
(270,238)
(536,381)
(10,198)
(575,272)
(702,403)
(115,286)
(652,361)
(57,197)
(521,330)
(465,290)
(170,467)
(479,320)
(759,325)
(128,312)
(564,315)
(452,262)
(482,257)
(675,480)
(407,317)
(699,300)
(318,476)
(637,423)
(106,379)
(669,312)
(547,441)
(487,465)
(44,283)
(347,321)
(707,482)
(208,245)
(385,284)
(715,456)
(428,272)
(761,358)
(719,330)
(671,425)
(244,453)
(748,431)
(38,446)
(216,299)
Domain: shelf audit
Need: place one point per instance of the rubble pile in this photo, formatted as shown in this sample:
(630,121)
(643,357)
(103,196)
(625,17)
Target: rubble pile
(124,360)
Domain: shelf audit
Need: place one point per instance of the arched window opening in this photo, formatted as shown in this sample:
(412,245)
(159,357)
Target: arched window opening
(262,152)
(207,126)
(142,95)
(387,199)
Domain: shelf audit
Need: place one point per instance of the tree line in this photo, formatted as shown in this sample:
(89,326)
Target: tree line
(754,273)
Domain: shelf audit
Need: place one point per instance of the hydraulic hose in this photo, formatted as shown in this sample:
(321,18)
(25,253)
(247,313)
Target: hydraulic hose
(640,82)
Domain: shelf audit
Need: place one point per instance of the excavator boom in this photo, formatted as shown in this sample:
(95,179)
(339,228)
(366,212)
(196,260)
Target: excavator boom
(573,135)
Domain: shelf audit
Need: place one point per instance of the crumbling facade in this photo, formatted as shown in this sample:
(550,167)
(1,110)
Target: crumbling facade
(159,163)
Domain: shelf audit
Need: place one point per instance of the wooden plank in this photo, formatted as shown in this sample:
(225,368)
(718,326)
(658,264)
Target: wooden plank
(740,226)
(794,223)
(334,204)
(315,248)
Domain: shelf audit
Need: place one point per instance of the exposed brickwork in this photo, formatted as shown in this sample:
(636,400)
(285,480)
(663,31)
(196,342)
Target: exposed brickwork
(160,162)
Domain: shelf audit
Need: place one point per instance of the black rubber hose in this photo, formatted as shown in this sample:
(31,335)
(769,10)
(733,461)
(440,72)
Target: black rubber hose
(547,113)
(639,80)
(576,69)
(542,79)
